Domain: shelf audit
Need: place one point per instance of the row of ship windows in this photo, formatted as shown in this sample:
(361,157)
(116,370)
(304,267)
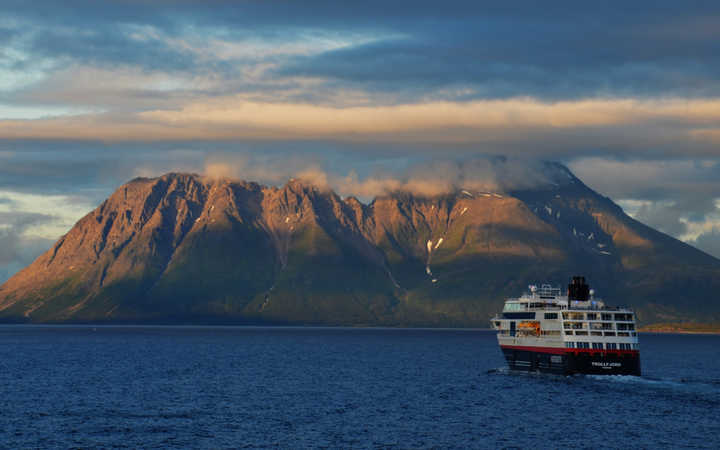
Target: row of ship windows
(598,326)
(599,345)
(622,317)
(599,333)
(525,333)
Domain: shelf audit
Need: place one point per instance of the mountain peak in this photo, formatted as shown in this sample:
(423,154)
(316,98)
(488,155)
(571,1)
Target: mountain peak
(187,247)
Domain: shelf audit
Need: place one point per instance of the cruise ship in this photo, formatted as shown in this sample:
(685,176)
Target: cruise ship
(546,331)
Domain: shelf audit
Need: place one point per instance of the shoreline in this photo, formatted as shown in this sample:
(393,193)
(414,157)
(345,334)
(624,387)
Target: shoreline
(671,331)
(668,330)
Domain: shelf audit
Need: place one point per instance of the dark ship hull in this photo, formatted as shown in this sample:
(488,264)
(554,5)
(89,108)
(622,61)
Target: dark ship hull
(572,361)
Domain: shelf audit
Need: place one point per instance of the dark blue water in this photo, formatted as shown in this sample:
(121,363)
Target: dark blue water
(310,387)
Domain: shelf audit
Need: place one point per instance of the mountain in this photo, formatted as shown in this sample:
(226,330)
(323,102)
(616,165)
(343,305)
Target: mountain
(183,248)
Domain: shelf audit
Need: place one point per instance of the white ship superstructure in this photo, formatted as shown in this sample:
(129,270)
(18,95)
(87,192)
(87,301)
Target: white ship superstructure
(574,333)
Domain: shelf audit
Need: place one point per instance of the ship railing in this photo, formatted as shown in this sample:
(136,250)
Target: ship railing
(548,291)
(600,308)
(545,307)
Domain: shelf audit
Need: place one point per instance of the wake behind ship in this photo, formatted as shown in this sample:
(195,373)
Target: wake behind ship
(545,331)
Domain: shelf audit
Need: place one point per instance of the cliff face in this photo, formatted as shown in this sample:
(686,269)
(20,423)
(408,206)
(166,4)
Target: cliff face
(182,248)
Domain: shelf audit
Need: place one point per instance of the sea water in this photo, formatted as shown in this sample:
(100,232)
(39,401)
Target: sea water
(218,387)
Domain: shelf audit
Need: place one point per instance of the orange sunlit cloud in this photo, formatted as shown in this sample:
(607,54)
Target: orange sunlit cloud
(235,118)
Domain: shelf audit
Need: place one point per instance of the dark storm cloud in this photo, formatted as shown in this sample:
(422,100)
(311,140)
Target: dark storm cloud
(333,14)
(558,50)
(89,171)
(95,169)
(546,56)
(652,180)
(416,65)
(43,172)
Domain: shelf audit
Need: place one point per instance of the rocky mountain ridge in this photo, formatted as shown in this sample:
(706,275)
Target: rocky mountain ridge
(184,248)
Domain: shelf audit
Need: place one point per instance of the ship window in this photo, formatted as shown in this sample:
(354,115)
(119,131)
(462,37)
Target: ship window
(551,315)
(514,307)
(597,345)
(570,344)
(609,333)
(611,346)
(591,316)
(631,326)
(606,316)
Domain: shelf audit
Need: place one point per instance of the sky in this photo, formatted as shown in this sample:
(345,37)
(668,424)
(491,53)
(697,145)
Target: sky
(92,94)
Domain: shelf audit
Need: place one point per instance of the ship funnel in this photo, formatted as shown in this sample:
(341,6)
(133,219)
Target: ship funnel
(578,289)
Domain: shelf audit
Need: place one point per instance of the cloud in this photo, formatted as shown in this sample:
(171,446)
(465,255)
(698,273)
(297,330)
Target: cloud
(30,223)
(117,46)
(43,216)
(514,126)
(57,172)
(427,178)
(448,66)
(650,179)
(365,97)
(680,197)
(709,241)
(16,249)
(397,54)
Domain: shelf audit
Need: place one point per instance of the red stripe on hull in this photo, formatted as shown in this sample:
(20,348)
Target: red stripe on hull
(563,350)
